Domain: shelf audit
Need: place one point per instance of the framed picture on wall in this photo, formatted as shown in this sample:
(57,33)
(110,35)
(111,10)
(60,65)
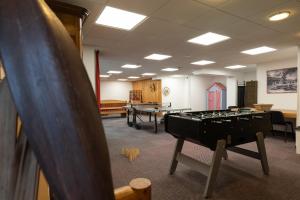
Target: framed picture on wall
(282,81)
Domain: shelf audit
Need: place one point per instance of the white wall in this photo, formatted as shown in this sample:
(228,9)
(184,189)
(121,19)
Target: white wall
(115,90)
(179,91)
(198,86)
(279,101)
(89,63)
(249,76)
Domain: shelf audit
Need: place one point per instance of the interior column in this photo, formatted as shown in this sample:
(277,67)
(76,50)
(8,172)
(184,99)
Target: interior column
(298,105)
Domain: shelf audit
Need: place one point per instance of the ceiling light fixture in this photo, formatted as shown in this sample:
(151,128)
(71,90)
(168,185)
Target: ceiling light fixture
(203,62)
(178,76)
(117,18)
(148,74)
(122,79)
(235,66)
(280,16)
(104,76)
(156,56)
(114,72)
(259,50)
(130,66)
(133,77)
(208,39)
(169,69)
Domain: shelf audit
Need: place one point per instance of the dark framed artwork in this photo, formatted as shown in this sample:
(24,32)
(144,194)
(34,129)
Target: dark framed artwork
(282,80)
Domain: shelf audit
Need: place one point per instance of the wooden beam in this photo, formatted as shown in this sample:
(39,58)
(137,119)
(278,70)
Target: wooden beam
(55,101)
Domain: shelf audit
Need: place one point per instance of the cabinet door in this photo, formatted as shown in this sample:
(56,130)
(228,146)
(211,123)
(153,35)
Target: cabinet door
(250,93)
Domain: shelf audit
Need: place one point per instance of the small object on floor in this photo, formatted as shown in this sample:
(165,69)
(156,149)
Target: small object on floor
(130,153)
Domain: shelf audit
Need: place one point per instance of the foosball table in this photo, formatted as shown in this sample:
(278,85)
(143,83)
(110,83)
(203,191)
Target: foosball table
(220,131)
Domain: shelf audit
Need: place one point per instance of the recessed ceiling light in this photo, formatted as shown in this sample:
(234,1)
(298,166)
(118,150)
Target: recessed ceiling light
(122,79)
(279,16)
(169,69)
(148,74)
(129,66)
(133,77)
(259,50)
(114,72)
(104,76)
(203,62)
(208,39)
(178,76)
(156,56)
(235,66)
(117,18)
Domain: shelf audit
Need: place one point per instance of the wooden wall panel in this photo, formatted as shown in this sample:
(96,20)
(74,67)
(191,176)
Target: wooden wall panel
(151,90)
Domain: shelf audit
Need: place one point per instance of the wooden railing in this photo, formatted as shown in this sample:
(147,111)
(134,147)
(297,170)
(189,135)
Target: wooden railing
(48,87)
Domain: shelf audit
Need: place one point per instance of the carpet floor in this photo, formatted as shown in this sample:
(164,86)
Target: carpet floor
(240,177)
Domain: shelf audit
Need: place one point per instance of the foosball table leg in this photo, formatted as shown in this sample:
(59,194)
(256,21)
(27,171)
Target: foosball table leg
(262,151)
(178,149)
(214,168)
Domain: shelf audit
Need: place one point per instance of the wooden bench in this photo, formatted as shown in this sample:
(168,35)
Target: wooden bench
(110,107)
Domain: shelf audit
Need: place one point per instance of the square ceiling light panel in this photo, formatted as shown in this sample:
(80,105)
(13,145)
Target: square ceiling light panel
(104,75)
(208,39)
(203,62)
(148,74)
(156,56)
(121,19)
(130,66)
(235,66)
(259,50)
(114,72)
(170,69)
(133,77)
(178,76)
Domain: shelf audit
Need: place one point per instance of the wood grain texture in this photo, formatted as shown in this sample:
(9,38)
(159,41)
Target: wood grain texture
(138,189)
(26,171)
(151,90)
(71,17)
(250,93)
(8,116)
(43,188)
(2,74)
(19,168)
(55,101)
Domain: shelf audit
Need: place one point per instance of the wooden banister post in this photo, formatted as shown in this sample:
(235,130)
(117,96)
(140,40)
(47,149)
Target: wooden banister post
(138,189)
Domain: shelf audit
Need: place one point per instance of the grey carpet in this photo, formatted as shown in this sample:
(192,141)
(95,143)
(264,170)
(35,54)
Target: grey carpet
(240,177)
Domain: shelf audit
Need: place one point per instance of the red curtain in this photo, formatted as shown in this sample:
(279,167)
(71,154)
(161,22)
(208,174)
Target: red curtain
(97,78)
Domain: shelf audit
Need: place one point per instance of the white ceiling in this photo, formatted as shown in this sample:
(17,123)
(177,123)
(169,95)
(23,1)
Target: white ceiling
(172,22)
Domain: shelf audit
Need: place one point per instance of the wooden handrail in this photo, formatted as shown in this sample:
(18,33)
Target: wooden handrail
(55,101)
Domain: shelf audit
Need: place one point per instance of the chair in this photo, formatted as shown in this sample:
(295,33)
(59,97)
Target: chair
(277,118)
